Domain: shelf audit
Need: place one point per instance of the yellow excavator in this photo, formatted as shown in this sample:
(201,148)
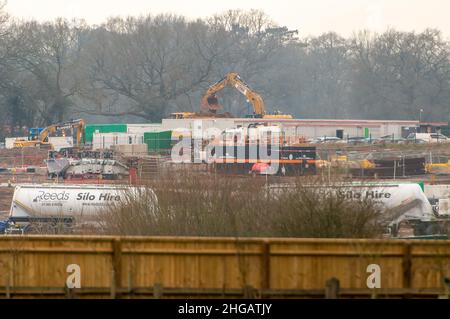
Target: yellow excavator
(210,104)
(42,139)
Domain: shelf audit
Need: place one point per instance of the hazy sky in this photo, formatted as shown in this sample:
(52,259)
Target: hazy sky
(309,16)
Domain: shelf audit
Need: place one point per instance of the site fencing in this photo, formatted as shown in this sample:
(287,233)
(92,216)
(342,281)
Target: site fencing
(132,267)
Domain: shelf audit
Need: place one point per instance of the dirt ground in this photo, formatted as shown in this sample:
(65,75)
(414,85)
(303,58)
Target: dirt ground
(24,178)
(22,157)
(14,162)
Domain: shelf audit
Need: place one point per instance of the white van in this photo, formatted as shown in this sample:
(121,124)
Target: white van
(428,137)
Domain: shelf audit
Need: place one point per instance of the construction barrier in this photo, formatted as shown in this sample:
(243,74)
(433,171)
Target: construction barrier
(127,267)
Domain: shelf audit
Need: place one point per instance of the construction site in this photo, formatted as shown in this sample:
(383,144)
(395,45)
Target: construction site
(195,151)
(223,186)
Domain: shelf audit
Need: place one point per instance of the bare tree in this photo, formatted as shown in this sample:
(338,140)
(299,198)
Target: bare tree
(150,66)
(146,65)
(49,57)
(250,43)
(399,73)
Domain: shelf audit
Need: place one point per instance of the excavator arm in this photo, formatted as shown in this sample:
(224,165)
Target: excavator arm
(43,136)
(77,124)
(210,102)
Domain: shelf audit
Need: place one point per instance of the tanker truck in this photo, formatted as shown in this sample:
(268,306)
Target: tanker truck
(398,202)
(66,204)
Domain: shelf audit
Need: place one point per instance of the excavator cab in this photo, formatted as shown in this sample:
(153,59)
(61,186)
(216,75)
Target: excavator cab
(213,103)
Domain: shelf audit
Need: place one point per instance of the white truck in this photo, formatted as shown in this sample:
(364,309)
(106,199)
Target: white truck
(399,202)
(67,204)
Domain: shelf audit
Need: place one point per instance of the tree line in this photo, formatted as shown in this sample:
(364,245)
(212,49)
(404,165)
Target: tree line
(140,69)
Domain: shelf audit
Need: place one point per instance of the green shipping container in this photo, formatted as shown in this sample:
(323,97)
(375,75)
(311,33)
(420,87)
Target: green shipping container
(158,141)
(90,129)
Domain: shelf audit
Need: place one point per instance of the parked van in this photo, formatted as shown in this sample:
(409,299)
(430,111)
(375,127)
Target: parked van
(428,137)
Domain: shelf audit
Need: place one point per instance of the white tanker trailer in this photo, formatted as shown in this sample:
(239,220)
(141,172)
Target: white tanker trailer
(398,202)
(68,203)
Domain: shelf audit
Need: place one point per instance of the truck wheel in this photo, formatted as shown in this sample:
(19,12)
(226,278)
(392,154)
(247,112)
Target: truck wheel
(434,229)
(428,229)
(420,229)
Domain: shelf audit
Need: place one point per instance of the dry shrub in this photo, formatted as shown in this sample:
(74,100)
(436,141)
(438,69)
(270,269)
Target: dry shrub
(137,211)
(313,211)
(200,205)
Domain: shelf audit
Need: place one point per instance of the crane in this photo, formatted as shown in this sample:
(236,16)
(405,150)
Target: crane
(210,103)
(44,134)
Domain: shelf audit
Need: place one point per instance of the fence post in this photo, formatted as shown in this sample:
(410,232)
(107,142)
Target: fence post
(116,275)
(407,267)
(157,291)
(69,292)
(249,292)
(447,287)
(265,265)
(332,288)
(8,286)
(130,283)
(113,285)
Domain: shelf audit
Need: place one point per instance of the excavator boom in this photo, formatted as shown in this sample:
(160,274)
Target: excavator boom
(210,103)
(45,133)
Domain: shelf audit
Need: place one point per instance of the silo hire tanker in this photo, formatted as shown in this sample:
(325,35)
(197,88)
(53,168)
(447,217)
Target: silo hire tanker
(68,203)
(398,202)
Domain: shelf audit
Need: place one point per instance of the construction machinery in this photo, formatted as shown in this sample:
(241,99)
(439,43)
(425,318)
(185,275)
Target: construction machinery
(210,105)
(42,138)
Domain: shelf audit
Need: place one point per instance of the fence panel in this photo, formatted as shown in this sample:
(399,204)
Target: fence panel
(112,266)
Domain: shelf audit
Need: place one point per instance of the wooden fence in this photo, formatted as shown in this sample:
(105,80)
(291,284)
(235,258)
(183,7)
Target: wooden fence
(130,267)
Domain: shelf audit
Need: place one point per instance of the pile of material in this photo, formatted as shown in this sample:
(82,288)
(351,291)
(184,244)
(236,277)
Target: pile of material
(57,166)
(391,168)
(343,162)
(438,169)
(86,167)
